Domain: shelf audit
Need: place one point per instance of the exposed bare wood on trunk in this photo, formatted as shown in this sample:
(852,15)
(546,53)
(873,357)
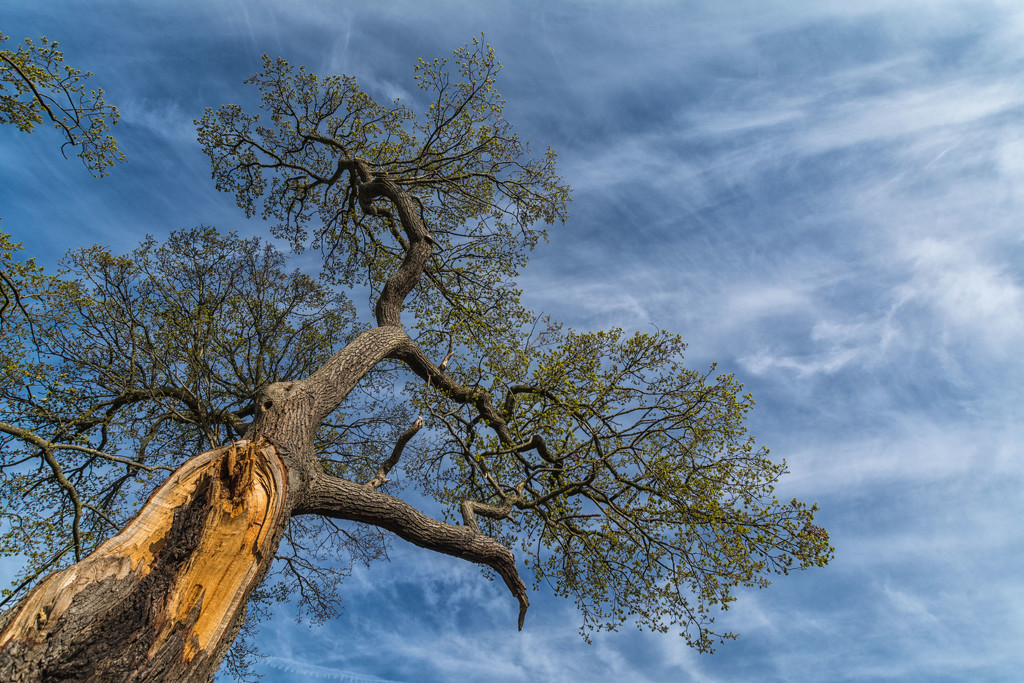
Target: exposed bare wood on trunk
(156,601)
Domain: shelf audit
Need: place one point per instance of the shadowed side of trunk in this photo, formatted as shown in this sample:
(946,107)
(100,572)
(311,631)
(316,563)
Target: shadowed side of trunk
(157,601)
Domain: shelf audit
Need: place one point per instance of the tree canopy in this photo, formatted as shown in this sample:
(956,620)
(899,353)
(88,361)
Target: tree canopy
(156,355)
(622,478)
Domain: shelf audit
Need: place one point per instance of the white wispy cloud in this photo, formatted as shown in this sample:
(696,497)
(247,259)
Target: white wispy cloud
(975,299)
(162,119)
(305,671)
(907,113)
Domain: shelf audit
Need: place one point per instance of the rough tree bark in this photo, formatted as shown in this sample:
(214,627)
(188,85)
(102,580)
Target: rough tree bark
(164,599)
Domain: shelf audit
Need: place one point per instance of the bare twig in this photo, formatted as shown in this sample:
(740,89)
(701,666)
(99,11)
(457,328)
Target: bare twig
(381,477)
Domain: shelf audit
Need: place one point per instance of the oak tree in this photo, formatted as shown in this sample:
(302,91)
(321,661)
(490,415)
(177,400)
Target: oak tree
(621,477)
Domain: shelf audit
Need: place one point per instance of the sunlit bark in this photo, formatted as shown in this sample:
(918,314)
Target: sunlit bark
(163,599)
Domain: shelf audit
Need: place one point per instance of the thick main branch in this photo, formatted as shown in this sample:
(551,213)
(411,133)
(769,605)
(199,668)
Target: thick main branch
(417,360)
(389,306)
(341,499)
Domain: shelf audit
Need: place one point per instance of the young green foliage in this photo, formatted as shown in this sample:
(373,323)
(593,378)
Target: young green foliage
(36,84)
(630,481)
(34,81)
(16,277)
(304,159)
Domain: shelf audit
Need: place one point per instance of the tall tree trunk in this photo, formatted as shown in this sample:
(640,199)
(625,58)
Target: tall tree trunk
(164,598)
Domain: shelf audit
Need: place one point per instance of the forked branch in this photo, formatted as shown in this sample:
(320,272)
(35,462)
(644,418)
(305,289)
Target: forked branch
(472,508)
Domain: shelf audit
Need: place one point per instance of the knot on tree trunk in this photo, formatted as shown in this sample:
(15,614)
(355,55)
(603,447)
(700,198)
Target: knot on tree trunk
(274,396)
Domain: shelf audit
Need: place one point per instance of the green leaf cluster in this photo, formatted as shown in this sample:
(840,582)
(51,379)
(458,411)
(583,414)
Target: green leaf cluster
(36,84)
(301,160)
(637,490)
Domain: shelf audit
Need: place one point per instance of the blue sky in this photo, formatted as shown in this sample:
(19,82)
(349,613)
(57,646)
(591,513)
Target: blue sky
(824,197)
